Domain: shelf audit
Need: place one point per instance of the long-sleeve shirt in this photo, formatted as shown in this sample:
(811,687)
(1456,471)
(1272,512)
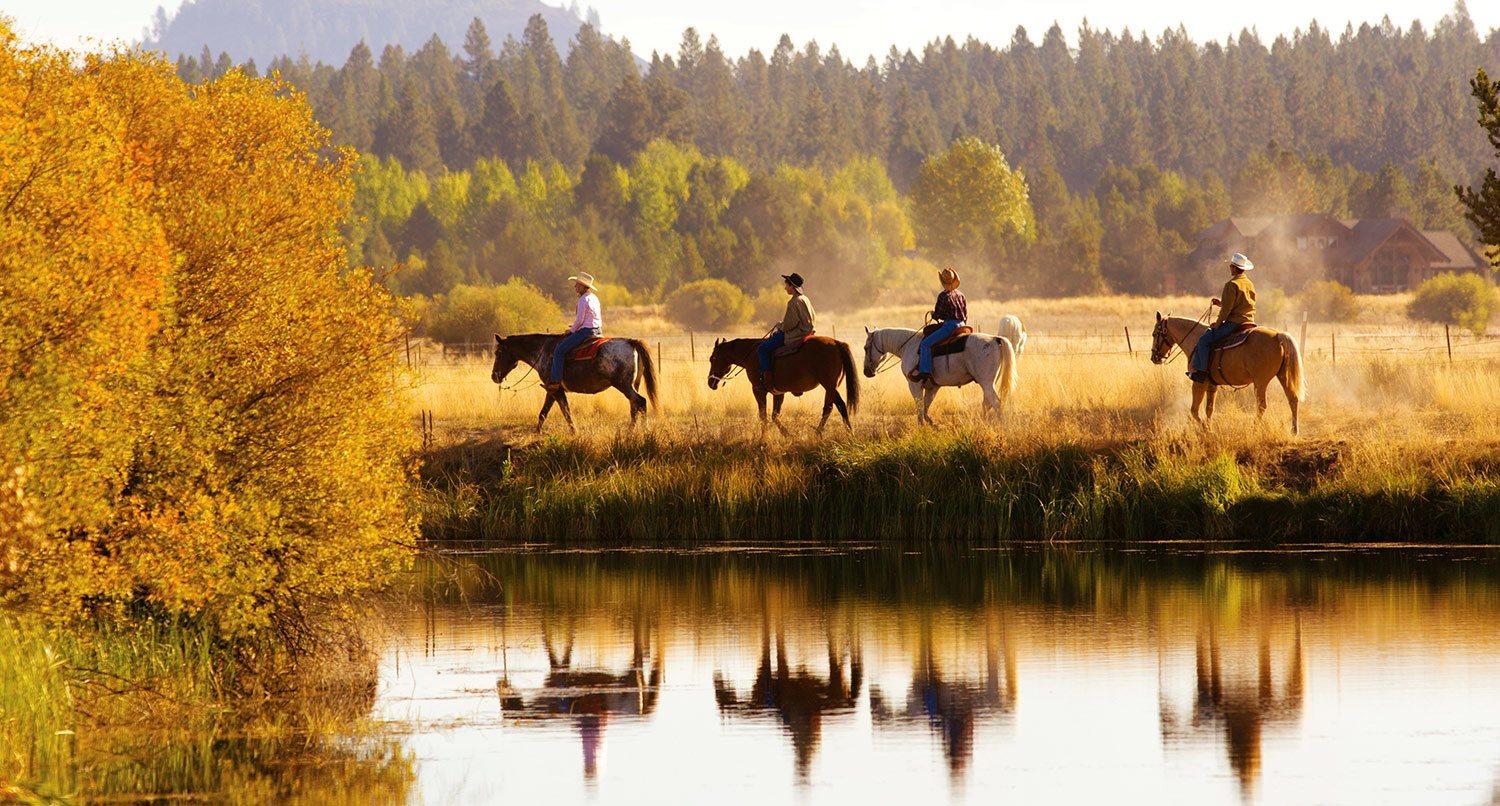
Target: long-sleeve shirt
(588,313)
(797,324)
(1237,301)
(951,305)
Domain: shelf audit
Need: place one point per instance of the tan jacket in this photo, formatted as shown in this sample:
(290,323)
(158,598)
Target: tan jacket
(797,324)
(1237,301)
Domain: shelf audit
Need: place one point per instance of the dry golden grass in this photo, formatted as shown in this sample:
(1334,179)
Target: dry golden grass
(1392,380)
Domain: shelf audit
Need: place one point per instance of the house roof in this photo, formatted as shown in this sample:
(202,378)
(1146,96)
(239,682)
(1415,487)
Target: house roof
(1458,255)
(1370,233)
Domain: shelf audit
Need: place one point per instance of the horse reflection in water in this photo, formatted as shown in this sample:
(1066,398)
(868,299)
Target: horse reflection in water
(591,696)
(1240,707)
(951,706)
(797,697)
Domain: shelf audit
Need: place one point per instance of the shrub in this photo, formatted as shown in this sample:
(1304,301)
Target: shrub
(614,295)
(1329,301)
(1273,306)
(708,305)
(180,325)
(1465,300)
(471,314)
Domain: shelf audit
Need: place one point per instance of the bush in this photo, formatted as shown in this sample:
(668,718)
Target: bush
(472,314)
(1273,307)
(614,295)
(1465,300)
(708,305)
(1329,301)
(179,324)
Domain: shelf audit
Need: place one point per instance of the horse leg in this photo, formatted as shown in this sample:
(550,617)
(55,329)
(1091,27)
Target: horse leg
(562,405)
(546,407)
(838,402)
(1198,390)
(1208,398)
(929,393)
(776,414)
(917,392)
(992,402)
(637,402)
(1260,399)
(827,409)
(760,403)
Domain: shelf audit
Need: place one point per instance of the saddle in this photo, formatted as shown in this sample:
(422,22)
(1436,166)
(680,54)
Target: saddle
(953,344)
(792,347)
(587,350)
(1216,358)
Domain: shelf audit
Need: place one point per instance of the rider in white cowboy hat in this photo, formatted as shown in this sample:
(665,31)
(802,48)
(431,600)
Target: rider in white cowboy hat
(588,323)
(1236,307)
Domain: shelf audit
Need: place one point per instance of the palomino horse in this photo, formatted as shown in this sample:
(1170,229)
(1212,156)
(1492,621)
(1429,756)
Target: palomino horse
(989,361)
(820,361)
(1266,354)
(620,364)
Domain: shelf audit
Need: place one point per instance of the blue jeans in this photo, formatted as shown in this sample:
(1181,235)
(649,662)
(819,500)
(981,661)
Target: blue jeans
(924,350)
(569,343)
(1206,342)
(767,350)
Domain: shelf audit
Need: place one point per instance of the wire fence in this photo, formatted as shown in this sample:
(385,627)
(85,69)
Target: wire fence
(1321,342)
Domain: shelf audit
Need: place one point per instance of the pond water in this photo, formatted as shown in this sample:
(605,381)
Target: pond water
(868,674)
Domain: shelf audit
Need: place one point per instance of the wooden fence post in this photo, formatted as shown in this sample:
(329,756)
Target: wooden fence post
(1303,341)
(692,347)
(1333,342)
(1128,346)
(407,336)
(1448,337)
(658,355)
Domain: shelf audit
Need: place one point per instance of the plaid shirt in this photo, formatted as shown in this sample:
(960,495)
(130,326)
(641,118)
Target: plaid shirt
(951,305)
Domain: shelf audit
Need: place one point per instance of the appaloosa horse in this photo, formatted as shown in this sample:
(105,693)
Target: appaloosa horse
(621,364)
(1264,355)
(820,361)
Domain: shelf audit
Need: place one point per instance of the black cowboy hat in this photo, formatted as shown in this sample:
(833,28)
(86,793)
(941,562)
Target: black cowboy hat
(794,278)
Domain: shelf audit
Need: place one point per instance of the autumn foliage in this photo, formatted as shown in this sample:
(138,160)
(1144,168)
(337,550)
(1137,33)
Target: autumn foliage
(198,404)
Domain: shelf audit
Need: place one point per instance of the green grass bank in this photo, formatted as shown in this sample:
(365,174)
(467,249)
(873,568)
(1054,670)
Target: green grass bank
(971,485)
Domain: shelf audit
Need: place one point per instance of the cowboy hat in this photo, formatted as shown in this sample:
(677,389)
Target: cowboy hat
(583,278)
(1241,262)
(794,278)
(948,276)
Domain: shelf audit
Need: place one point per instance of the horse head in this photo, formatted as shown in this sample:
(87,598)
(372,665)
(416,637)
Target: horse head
(1161,340)
(719,364)
(873,353)
(505,360)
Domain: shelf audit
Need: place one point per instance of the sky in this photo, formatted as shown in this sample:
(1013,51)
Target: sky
(859,27)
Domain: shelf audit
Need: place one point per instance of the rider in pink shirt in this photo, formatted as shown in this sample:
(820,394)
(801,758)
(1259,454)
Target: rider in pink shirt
(588,323)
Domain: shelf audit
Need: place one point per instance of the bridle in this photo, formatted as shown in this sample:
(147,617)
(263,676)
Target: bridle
(734,371)
(892,359)
(1160,332)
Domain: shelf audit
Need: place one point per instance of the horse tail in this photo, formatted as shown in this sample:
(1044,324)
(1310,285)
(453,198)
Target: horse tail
(1291,364)
(851,377)
(647,369)
(1009,372)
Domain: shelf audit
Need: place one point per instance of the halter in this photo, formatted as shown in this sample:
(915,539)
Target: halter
(735,370)
(1170,357)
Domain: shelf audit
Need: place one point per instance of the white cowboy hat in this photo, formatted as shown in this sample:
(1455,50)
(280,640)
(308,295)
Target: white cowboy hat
(1241,262)
(584,278)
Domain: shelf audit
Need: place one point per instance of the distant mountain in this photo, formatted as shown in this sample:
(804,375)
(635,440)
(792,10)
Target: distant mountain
(325,30)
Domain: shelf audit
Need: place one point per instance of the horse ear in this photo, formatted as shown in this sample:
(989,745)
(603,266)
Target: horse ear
(867,330)
(498,339)
(1158,316)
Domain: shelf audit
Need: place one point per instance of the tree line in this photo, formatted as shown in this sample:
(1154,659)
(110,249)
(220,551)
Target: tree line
(702,165)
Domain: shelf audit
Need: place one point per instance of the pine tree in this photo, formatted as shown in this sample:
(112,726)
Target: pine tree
(626,127)
(1483,204)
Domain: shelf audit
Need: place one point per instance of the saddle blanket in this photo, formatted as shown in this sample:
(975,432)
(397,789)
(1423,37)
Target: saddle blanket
(1236,338)
(587,350)
(953,344)
(1216,359)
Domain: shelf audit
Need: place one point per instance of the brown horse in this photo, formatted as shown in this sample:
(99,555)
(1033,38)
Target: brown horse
(820,361)
(1266,354)
(621,364)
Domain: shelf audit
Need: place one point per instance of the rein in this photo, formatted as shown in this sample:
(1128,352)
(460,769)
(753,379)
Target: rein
(517,387)
(1178,347)
(735,371)
(886,362)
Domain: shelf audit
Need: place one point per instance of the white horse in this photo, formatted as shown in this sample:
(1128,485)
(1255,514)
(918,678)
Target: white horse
(1010,328)
(989,361)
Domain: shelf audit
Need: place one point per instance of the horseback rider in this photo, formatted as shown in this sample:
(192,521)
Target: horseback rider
(588,323)
(950,313)
(796,325)
(1236,307)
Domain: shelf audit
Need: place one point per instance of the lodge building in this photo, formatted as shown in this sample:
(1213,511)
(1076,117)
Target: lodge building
(1369,255)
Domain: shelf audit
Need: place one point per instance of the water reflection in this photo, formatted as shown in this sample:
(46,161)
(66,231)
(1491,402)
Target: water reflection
(888,676)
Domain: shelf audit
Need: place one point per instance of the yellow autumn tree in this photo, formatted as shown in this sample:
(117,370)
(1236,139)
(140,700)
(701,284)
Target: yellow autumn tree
(250,457)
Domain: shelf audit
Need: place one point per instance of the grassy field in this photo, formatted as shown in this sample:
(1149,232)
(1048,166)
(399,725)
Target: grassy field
(1397,442)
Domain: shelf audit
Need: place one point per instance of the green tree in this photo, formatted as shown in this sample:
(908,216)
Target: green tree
(969,205)
(1482,205)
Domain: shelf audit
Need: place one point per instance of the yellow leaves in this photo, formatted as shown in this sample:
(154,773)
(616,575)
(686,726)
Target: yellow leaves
(201,390)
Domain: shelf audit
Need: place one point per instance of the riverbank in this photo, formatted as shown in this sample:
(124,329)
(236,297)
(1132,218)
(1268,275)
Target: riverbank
(972,484)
